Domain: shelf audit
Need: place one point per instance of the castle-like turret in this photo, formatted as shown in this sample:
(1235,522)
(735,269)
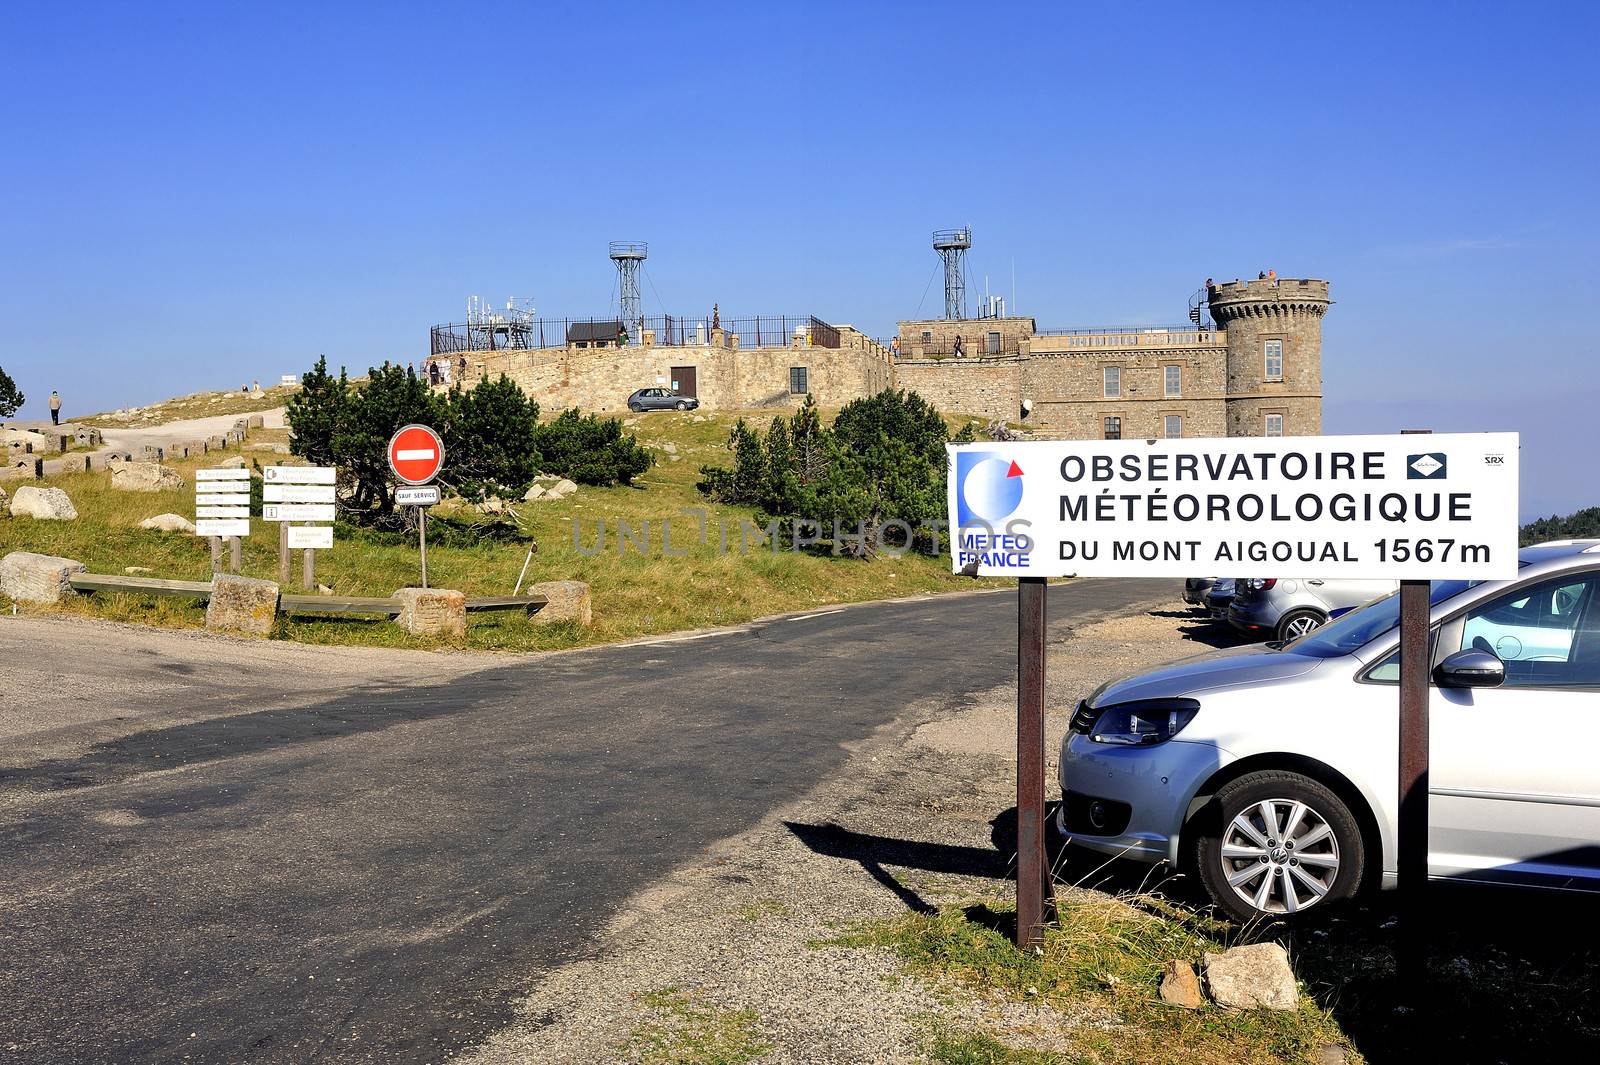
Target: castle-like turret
(1274,329)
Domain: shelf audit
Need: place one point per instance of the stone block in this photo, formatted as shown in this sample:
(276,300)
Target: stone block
(152,453)
(169,523)
(1253,976)
(215,443)
(432,612)
(255,421)
(241,605)
(45,504)
(568,601)
(30,578)
(145,477)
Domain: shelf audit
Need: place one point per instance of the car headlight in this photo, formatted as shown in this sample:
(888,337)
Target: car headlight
(1144,723)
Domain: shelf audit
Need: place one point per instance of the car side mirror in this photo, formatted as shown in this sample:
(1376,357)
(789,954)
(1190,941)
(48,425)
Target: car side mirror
(1471,668)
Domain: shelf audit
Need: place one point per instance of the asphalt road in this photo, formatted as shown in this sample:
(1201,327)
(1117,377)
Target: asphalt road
(216,851)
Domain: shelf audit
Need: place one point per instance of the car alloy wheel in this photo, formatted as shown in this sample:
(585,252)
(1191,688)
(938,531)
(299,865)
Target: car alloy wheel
(1280,856)
(1298,624)
(1276,843)
(683,406)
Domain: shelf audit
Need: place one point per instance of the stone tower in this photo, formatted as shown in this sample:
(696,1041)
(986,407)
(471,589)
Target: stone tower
(1264,318)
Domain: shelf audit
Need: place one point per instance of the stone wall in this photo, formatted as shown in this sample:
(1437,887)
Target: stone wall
(988,388)
(601,379)
(937,336)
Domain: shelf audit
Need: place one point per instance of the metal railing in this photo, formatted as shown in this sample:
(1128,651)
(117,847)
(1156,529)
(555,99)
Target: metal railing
(759,331)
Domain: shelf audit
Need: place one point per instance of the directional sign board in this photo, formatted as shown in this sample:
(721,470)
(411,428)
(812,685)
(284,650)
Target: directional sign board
(416,454)
(1401,507)
(222,502)
(310,537)
(297,512)
(416,497)
(297,493)
(299,475)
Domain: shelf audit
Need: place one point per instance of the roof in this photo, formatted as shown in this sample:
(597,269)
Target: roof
(580,332)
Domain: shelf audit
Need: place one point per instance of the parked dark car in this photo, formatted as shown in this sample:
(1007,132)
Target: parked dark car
(1219,598)
(1195,589)
(660,399)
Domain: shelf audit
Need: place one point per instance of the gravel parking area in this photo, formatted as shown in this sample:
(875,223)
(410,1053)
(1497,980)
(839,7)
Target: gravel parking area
(731,949)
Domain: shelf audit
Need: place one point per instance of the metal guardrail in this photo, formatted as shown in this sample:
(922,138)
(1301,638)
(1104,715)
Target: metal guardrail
(200,591)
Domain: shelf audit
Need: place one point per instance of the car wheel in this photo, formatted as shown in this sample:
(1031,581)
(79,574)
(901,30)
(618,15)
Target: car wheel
(1277,844)
(1296,623)
(683,406)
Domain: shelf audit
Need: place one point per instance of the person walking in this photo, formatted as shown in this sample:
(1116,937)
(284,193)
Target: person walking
(894,347)
(55,408)
(958,352)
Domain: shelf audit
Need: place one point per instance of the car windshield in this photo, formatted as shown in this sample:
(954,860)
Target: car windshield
(1361,627)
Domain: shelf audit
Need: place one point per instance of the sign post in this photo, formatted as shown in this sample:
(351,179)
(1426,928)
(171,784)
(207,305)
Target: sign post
(416,455)
(1411,954)
(222,511)
(299,493)
(1035,886)
(1374,507)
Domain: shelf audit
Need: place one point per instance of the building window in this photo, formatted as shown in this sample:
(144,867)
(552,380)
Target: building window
(927,335)
(1274,360)
(994,343)
(797,381)
(1113,428)
(1172,380)
(1172,426)
(1112,381)
(1274,426)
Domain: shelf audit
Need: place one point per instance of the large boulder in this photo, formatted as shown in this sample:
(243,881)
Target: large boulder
(45,504)
(241,605)
(169,523)
(145,477)
(433,612)
(30,578)
(568,601)
(1258,975)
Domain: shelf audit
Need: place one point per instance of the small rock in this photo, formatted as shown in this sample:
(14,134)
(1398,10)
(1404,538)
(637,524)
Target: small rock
(323,589)
(1180,986)
(44,504)
(1329,1054)
(136,570)
(1257,975)
(563,487)
(669,447)
(698,418)
(536,492)
(169,523)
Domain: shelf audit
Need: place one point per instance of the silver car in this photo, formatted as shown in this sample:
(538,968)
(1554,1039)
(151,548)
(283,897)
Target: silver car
(1286,608)
(1270,770)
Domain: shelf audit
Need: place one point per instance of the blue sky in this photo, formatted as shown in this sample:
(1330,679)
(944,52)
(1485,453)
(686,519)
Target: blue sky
(200,195)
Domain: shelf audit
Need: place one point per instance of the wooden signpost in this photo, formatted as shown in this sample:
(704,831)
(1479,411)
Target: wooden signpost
(222,511)
(299,493)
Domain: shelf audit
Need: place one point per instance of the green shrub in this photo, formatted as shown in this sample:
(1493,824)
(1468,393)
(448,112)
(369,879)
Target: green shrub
(591,450)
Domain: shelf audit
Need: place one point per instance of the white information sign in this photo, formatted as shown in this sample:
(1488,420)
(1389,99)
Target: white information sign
(234,498)
(1422,507)
(297,493)
(416,497)
(222,527)
(221,512)
(297,512)
(310,537)
(299,475)
(223,473)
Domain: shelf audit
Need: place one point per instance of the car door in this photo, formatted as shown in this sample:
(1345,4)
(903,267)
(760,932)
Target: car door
(654,399)
(1515,775)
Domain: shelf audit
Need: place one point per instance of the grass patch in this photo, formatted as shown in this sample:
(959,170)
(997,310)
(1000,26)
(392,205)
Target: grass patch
(764,910)
(197,405)
(1104,954)
(685,582)
(687,1030)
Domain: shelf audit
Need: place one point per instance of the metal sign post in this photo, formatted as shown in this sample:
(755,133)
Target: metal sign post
(416,455)
(1411,948)
(1034,884)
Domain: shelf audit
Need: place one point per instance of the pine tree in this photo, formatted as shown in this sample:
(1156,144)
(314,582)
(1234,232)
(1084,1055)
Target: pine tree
(11,397)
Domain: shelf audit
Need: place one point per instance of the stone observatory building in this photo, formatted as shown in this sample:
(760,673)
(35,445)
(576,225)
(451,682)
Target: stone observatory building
(1255,369)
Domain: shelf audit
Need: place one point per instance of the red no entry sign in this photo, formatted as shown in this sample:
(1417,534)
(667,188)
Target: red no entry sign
(416,454)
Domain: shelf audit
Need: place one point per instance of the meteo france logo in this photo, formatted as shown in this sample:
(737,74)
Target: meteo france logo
(990,488)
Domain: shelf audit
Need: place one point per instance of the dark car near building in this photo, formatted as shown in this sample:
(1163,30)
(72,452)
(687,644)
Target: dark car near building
(660,399)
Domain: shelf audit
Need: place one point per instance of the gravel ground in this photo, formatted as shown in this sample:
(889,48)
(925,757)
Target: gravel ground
(910,821)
